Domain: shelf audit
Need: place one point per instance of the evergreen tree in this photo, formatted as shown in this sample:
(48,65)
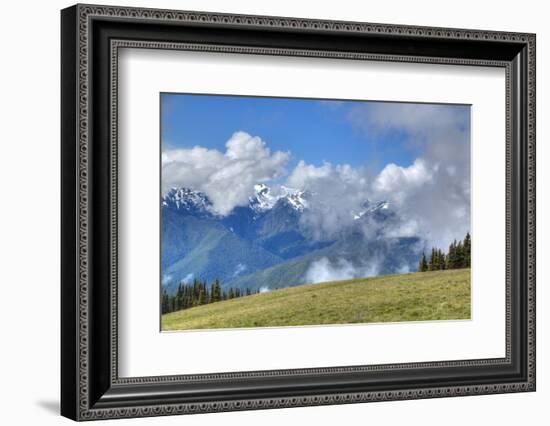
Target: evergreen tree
(467,250)
(441,258)
(211,295)
(451,257)
(422,265)
(178,302)
(217,291)
(437,261)
(165,302)
(459,255)
(431,260)
(201,297)
(187,300)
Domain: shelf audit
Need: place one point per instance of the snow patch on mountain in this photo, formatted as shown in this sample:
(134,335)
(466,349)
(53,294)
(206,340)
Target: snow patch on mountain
(369,209)
(265,198)
(186,199)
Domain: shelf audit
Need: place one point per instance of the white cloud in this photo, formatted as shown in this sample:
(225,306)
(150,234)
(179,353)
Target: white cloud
(440,132)
(324,270)
(335,192)
(226,178)
(433,202)
(431,195)
(404,269)
(394,179)
(430,201)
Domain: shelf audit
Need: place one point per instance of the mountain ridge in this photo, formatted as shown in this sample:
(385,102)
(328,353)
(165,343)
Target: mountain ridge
(264,243)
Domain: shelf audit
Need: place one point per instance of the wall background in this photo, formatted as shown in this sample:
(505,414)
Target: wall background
(29,213)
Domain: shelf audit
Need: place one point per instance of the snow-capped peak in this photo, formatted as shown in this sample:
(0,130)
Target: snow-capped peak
(186,199)
(262,199)
(295,197)
(265,199)
(371,208)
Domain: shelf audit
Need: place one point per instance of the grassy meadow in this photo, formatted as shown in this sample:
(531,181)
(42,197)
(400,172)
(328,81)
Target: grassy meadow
(421,296)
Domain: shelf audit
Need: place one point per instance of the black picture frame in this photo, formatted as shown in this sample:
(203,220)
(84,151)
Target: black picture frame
(90,386)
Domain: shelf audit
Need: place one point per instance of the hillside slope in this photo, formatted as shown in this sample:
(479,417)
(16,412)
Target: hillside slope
(395,253)
(200,248)
(439,295)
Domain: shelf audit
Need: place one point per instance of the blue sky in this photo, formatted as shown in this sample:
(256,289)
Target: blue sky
(416,156)
(312,130)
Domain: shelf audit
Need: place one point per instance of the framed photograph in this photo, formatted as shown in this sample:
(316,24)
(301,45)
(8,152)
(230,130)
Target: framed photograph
(263,212)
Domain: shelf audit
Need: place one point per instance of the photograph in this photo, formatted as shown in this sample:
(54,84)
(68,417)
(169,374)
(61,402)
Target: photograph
(278,211)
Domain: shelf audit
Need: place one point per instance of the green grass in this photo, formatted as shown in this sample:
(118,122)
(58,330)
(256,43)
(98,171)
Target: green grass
(439,295)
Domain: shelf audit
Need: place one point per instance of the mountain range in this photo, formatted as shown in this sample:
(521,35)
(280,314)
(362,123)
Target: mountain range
(264,245)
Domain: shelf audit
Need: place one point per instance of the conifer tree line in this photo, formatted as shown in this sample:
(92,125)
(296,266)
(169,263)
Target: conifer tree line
(199,293)
(458,256)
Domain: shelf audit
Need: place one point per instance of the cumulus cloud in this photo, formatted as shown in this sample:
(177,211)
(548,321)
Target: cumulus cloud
(431,195)
(432,201)
(227,178)
(393,178)
(336,192)
(323,270)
